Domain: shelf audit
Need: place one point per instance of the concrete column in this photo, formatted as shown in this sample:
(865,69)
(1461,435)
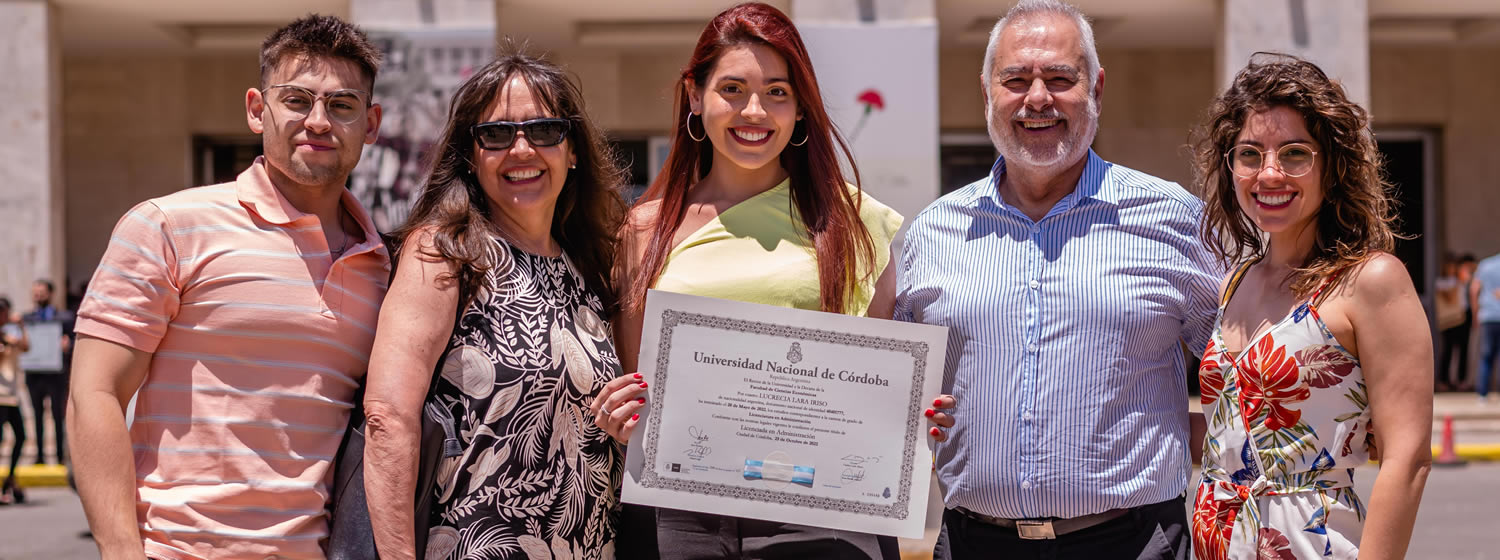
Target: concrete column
(31,205)
(1334,34)
(890,118)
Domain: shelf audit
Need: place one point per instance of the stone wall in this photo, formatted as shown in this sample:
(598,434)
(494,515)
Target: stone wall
(128,132)
(129,121)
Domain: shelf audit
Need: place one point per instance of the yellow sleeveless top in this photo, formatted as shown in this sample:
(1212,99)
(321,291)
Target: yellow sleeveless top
(758,251)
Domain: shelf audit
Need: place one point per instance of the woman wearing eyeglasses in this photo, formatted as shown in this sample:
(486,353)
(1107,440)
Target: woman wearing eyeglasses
(1320,334)
(751,206)
(514,231)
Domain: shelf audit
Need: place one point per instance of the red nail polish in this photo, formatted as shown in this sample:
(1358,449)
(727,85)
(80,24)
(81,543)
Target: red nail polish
(935,432)
(930,412)
(638,376)
(635,417)
(641,400)
(938,402)
(643,384)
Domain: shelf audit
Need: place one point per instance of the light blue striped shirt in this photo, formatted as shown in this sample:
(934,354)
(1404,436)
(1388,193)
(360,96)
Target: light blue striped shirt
(1488,276)
(1063,340)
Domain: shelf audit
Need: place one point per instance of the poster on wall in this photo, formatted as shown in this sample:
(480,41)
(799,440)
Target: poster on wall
(421,72)
(879,83)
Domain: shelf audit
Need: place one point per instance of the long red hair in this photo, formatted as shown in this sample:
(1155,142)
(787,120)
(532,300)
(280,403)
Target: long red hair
(828,209)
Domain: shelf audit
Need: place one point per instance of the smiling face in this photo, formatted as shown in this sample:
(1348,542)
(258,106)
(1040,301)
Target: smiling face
(1273,200)
(748,107)
(1041,112)
(314,150)
(524,178)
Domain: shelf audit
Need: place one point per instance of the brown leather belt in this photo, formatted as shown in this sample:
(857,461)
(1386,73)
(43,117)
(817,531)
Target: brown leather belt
(1043,529)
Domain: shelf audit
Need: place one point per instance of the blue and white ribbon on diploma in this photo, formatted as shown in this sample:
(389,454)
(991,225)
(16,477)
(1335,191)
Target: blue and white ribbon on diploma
(777,471)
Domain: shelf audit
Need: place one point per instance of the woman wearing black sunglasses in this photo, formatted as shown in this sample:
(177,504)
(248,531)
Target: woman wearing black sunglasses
(514,231)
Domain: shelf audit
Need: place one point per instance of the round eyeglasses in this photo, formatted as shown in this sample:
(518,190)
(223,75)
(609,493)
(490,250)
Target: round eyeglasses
(345,106)
(1293,160)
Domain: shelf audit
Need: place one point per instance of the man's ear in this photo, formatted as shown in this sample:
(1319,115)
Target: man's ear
(372,123)
(1099,88)
(255,107)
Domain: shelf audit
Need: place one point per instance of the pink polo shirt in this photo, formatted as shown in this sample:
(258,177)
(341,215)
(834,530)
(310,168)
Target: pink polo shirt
(259,340)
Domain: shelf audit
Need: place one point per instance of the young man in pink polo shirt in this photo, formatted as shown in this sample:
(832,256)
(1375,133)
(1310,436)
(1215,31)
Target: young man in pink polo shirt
(245,313)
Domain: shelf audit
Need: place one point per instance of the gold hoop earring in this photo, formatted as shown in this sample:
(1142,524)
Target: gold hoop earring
(688,124)
(805,136)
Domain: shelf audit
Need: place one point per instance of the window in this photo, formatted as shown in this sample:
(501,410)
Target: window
(221,158)
(632,156)
(963,158)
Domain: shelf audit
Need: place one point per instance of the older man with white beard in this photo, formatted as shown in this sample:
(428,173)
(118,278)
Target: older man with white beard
(1067,284)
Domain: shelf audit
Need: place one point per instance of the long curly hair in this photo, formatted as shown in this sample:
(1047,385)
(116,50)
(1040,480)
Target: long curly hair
(452,204)
(829,211)
(1355,219)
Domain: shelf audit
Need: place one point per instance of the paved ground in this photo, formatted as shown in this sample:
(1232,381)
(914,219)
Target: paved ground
(50,525)
(1459,520)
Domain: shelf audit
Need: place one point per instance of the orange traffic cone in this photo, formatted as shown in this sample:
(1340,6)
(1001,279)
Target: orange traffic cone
(1448,456)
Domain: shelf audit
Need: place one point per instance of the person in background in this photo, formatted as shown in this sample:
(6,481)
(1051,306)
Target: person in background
(1455,317)
(13,343)
(50,386)
(1484,292)
(751,206)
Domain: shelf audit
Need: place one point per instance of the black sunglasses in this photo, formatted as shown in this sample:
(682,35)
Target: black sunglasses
(499,135)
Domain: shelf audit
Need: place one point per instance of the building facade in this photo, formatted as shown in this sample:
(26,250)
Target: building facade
(110,103)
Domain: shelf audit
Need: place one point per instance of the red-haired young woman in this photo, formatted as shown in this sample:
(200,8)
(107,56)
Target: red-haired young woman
(751,206)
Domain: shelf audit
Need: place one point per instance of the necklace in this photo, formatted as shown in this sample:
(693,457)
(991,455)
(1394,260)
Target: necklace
(343,245)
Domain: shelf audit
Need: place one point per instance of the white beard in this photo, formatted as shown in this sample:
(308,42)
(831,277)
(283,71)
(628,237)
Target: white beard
(1064,153)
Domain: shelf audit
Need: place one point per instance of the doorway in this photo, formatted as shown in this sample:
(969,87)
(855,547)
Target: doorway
(1411,167)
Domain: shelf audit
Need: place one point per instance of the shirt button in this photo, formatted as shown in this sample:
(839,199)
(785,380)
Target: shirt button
(1026,415)
(1025,484)
(1032,348)
(1036,229)
(1034,284)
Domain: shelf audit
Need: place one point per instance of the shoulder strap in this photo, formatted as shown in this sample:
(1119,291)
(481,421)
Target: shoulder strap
(1332,279)
(1234,282)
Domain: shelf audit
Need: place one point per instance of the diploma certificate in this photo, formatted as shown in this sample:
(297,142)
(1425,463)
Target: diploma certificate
(785,415)
(46,347)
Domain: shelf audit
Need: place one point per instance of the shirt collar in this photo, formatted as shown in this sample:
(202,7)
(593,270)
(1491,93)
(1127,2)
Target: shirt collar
(255,191)
(254,188)
(1091,184)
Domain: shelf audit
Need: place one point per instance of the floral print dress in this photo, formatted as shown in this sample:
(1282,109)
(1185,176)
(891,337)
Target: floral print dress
(537,480)
(1288,422)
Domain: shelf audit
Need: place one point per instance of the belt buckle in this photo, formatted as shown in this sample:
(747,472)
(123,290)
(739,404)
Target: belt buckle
(1035,530)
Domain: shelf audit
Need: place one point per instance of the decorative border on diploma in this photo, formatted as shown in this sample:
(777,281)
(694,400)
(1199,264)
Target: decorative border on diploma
(670,319)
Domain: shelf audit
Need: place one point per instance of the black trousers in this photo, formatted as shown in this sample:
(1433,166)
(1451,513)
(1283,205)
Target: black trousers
(659,533)
(52,387)
(1151,532)
(11,416)
(1456,341)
